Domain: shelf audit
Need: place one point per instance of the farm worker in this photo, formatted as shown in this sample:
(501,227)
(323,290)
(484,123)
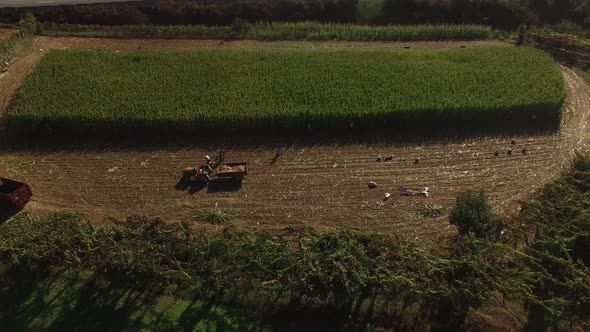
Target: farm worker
(207,159)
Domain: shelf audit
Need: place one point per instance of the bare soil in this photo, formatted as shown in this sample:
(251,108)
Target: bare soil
(321,184)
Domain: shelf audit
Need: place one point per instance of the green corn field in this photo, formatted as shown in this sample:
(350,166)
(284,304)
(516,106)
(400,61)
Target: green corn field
(82,92)
(351,32)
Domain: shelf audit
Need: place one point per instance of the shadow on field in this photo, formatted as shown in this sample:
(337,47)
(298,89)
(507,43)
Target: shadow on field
(252,140)
(69,300)
(223,185)
(214,186)
(6,213)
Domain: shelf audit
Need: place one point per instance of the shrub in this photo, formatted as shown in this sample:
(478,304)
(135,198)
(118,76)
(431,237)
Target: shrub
(215,216)
(473,214)
(429,211)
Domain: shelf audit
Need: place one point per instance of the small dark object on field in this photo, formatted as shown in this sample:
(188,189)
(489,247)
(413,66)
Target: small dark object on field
(524,151)
(416,161)
(139,47)
(462,46)
(278,152)
(509,152)
(513,142)
(388,158)
(406,47)
(497,153)
(379,159)
(221,43)
(372,185)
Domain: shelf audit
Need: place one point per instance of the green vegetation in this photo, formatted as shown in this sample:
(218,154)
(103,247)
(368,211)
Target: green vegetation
(558,258)
(136,31)
(140,261)
(276,31)
(93,92)
(473,215)
(67,300)
(327,31)
(11,46)
(18,41)
(549,38)
(429,211)
(215,216)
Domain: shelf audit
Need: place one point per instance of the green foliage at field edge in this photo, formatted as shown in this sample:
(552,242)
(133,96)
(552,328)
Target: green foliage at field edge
(277,31)
(351,32)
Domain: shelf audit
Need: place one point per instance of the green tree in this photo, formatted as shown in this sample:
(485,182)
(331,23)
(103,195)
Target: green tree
(28,24)
(473,214)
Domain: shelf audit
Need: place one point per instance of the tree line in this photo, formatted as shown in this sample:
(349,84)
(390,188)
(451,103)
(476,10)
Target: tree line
(506,14)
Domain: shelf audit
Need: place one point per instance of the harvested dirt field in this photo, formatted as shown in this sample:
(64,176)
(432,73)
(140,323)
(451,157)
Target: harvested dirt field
(317,182)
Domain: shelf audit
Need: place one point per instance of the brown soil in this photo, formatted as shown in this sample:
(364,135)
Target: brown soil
(323,185)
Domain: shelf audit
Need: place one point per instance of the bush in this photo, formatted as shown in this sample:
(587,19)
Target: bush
(473,215)
(240,27)
(215,216)
(521,37)
(29,24)
(12,45)
(429,211)
(566,26)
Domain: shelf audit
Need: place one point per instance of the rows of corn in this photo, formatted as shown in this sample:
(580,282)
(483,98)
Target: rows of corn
(352,32)
(81,92)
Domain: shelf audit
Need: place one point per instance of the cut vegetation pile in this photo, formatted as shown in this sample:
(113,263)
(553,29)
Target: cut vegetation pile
(99,92)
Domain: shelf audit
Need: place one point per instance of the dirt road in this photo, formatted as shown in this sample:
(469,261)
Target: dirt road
(323,184)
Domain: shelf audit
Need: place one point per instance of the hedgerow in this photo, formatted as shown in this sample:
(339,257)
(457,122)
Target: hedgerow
(336,270)
(137,31)
(350,32)
(276,31)
(94,92)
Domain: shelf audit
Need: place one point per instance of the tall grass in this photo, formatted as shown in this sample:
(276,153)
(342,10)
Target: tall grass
(98,92)
(350,32)
(277,31)
(12,45)
(136,31)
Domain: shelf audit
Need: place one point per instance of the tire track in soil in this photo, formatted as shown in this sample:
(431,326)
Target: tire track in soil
(323,186)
